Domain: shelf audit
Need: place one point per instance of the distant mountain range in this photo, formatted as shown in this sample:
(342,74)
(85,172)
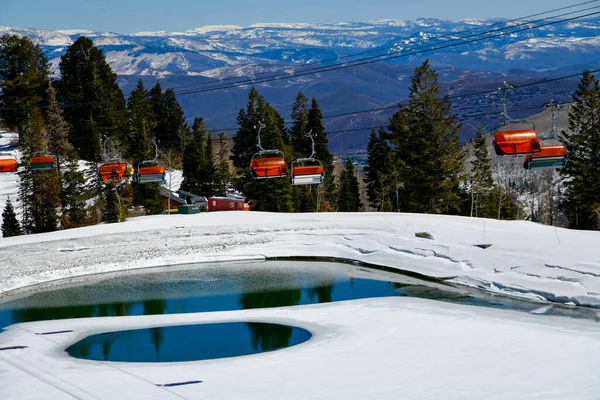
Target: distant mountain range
(211,56)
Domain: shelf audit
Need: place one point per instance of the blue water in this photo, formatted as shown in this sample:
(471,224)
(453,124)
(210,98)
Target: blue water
(188,342)
(204,288)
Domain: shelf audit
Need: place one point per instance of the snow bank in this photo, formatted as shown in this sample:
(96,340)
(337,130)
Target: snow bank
(525,259)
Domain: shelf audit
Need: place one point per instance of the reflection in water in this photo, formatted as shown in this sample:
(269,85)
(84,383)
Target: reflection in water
(271,284)
(187,342)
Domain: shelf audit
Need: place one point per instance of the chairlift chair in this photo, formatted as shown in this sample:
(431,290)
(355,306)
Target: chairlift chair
(267,164)
(307,171)
(149,171)
(115,170)
(8,163)
(522,141)
(41,161)
(549,157)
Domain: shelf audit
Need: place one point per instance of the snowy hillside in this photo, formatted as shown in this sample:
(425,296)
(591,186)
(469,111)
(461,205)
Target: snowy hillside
(206,50)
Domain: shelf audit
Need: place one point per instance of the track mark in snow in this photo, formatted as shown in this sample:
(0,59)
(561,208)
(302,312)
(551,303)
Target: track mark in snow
(573,270)
(73,250)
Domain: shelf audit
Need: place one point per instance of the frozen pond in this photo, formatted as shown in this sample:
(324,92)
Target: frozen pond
(235,286)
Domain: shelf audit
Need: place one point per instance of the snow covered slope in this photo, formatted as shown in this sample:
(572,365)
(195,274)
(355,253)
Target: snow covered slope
(205,50)
(525,259)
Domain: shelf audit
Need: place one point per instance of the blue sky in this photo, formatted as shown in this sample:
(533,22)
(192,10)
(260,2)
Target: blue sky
(126,16)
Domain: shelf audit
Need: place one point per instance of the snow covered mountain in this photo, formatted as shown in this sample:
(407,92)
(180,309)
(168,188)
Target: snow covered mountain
(203,57)
(209,50)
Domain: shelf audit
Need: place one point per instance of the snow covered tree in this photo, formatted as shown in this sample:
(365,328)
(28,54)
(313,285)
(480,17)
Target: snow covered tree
(24,77)
(10,223)
(427,154)
(582,171)
(88,81)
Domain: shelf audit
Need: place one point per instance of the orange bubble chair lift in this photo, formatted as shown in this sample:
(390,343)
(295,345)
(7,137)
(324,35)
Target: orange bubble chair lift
(523,141)
(549,157)
(115,170)
(8,163)
(267,164)
(41,162)
(307,171)
(149,171)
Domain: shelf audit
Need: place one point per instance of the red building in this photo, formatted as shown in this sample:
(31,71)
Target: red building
(228,204)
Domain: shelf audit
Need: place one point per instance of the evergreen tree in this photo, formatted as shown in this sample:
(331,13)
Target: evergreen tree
(300,142)
(582,171)
(24,78)
(209,169)
(315,126)
(427,155)
(170,119)
(193,159)
(39,190)
(71,181)
(88,81)
(482,182)
(10,224)
(112,209)
(223,172)
(377,168)
(348,196)
(268,194)
(141,125)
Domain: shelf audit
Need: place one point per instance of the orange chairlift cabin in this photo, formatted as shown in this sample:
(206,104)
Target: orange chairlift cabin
(149,171)
(41,160)
(514,142)
(8,162)
(551,156)
(114,170)
(267,164)
(307,171)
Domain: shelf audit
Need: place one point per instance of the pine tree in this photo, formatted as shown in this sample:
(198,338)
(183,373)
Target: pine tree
(10,224)
(193,159)
(482,182)
(315,126)
(207,187)
(348,196)
(72,182)
(170,119)
(268,194)
(300,142)
(39,190)
(141,124)
(582,171)
(377,168)
(112,209)
(428,158)
(88,81)
(24,77)
(223,172)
